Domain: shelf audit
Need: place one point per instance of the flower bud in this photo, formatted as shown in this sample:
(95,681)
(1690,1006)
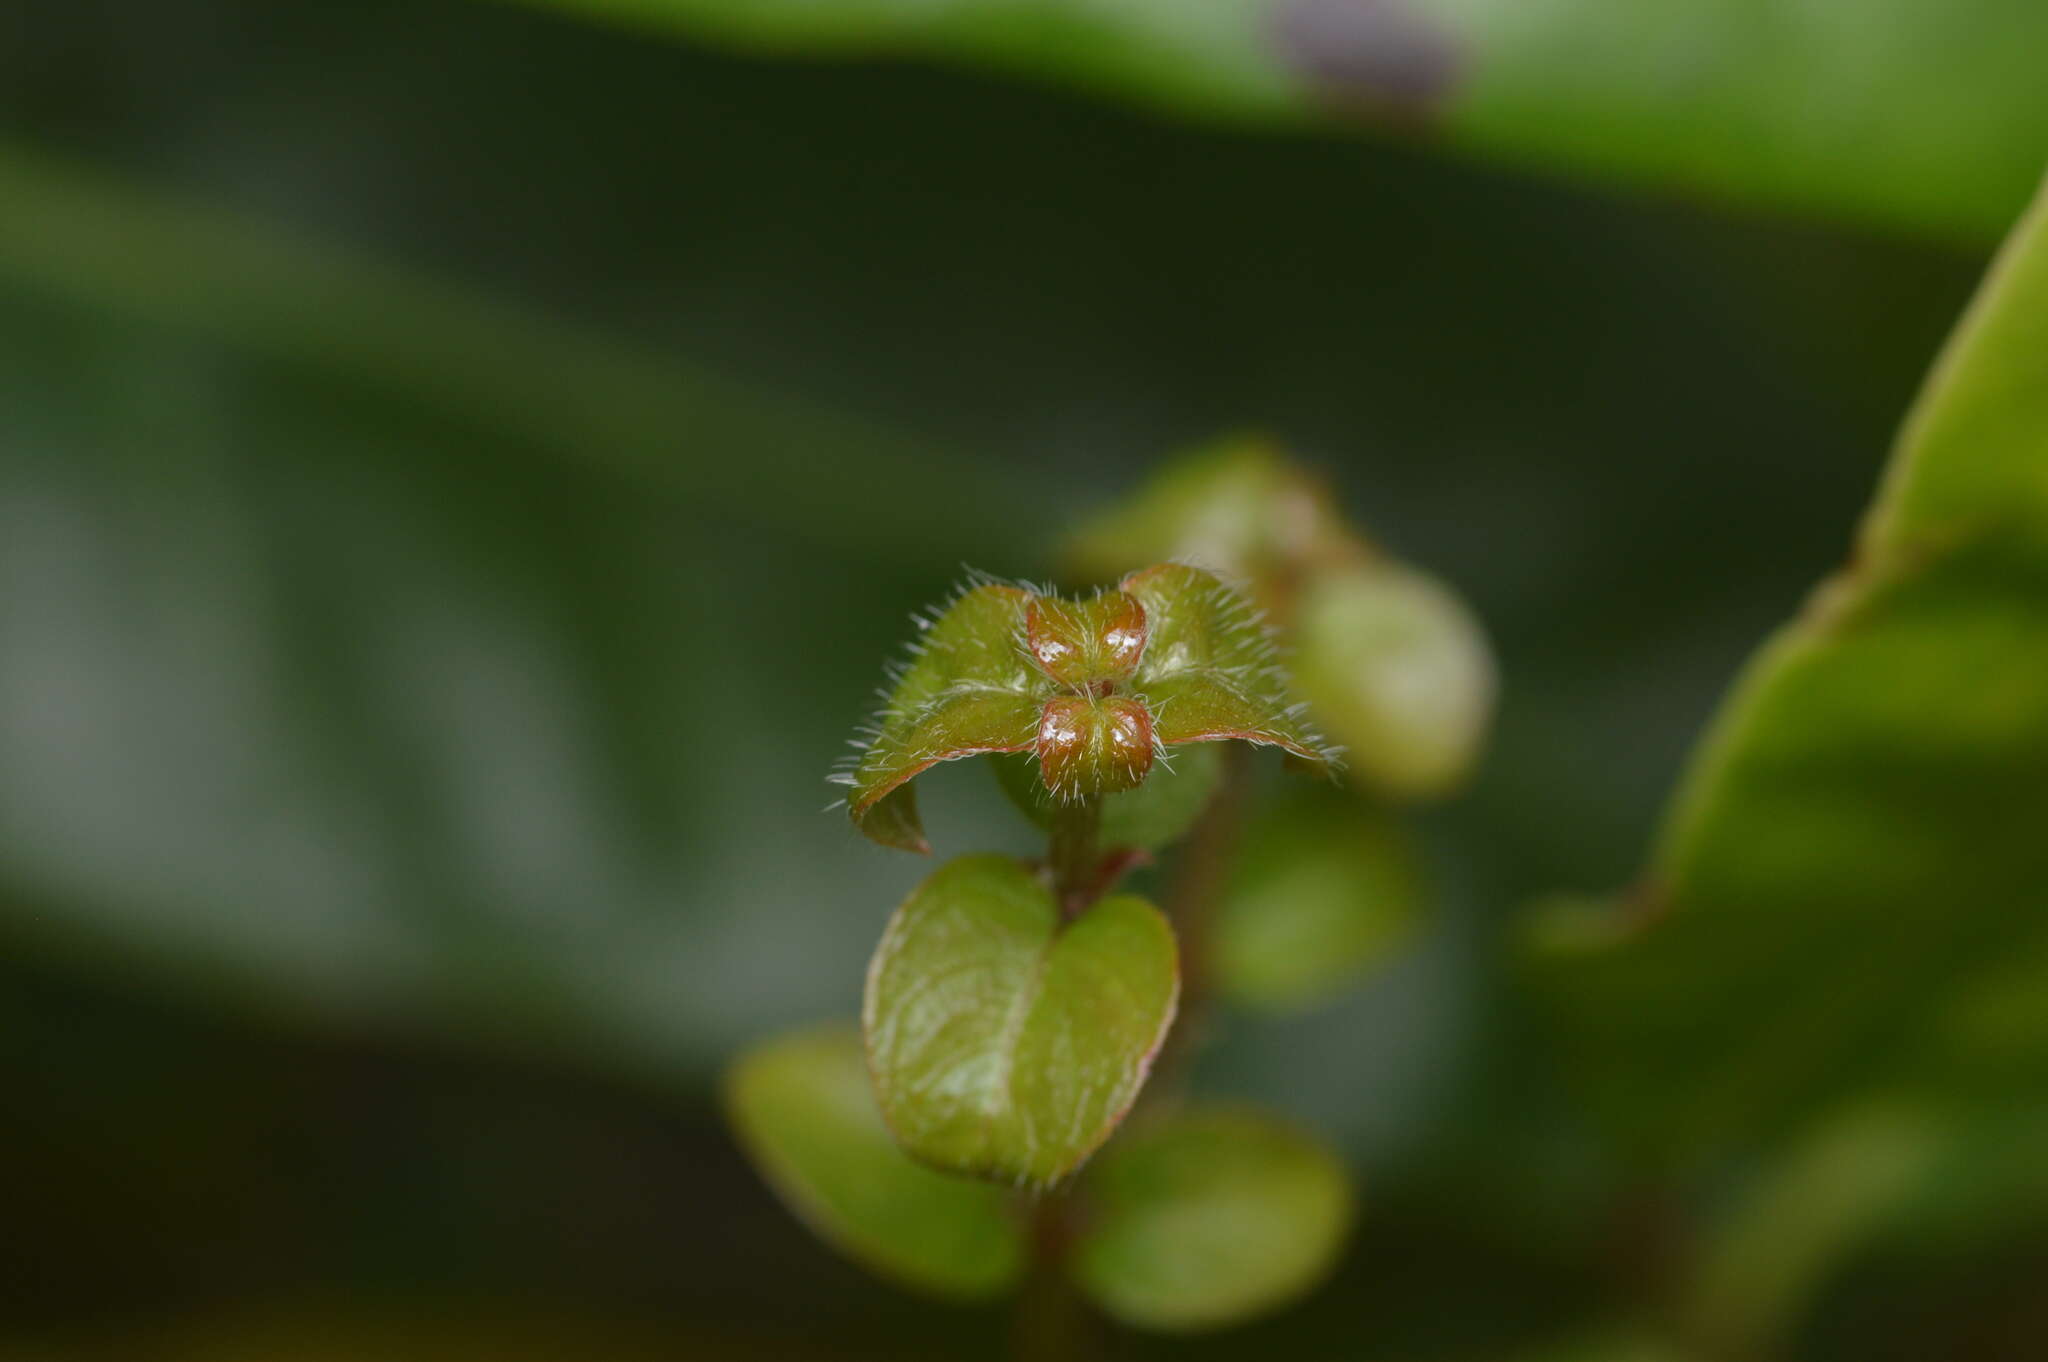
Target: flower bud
(1088,746)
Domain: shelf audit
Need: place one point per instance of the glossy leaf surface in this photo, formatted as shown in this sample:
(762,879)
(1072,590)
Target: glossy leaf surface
(1003,1042)
(1085,643)
(804,1109)
(1849,892)
(1930,116)
(1210,1218)
(1324,888)
(1089,746)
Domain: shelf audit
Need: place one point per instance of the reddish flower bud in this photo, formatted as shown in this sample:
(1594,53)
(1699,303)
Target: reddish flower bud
(1089,645)
(1088,746)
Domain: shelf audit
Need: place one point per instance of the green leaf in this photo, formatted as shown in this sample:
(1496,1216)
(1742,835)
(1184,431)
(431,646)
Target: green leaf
(105,245)
(1927,116)
(1004,1042)
(1391,664)
(966,691)
(1210,672)
(1808,1211)
(1148,818)
(1208,1219)
(1237,507)
(1849,890)
(1325,887)
(1396,668)
(805,1110)
(1158,812)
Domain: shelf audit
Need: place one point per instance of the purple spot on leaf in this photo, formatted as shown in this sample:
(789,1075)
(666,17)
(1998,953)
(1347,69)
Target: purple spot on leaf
(1376,55)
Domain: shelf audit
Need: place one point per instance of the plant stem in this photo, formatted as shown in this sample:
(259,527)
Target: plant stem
(1073,853)
(1049,1323)
(1198,882)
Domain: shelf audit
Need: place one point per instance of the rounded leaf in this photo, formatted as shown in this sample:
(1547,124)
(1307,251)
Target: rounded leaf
(1324,888)
(1396,668)
(1004,1042)
(1238,507)
(1209,1219)
(805,1112)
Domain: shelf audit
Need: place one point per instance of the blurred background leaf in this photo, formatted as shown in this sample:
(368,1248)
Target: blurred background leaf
(1205,1218)
(1325,888)
(1926,117)
(1846,896)
(804,1107)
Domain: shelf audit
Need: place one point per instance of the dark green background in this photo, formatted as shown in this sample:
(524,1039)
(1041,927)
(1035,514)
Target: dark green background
(411,739)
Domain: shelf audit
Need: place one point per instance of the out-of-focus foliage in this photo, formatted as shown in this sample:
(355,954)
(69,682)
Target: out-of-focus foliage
(806,1110)
(1817,1205)
(1325,887)
(392,728)
(1927,116)
(1004,1042)
(1206,1218)
(416,660)
(1398,668)
(1390,662)
(495,1331)
(1849,894)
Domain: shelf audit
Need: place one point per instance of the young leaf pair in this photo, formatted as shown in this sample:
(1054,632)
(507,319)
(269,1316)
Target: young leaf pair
(1011,1012)
(1095,690)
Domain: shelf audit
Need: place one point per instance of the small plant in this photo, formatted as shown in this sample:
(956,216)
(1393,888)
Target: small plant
(1016,1009)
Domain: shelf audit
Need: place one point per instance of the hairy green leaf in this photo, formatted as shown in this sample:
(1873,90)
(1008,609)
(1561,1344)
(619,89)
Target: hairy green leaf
(1093,689)
(1925,115)
(1325,887)
(967,690)
(1004,1042)
(1850,888)
(1210,671)
(1210,1218)
(805,1110)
